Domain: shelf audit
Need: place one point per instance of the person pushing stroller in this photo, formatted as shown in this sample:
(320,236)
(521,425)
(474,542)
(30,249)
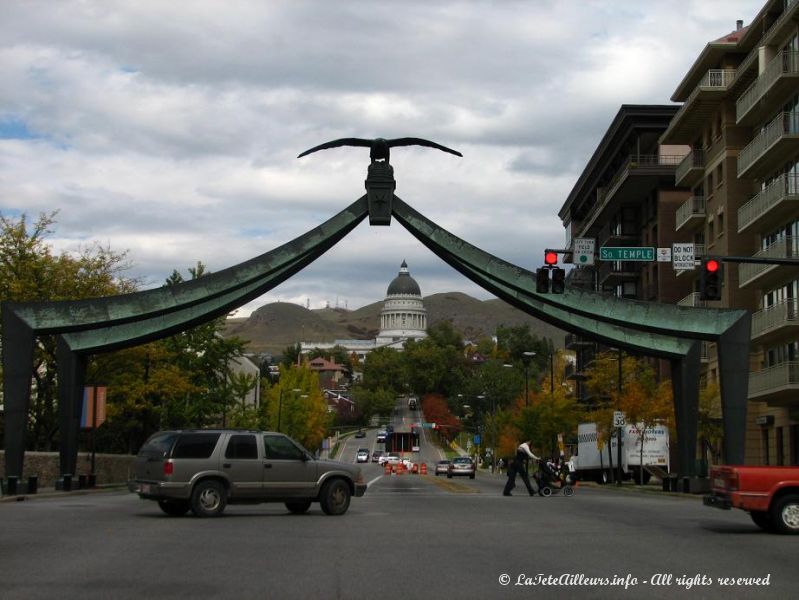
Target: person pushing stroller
(518,466)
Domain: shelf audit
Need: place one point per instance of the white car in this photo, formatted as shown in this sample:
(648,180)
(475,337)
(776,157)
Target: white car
(392,458)
(362,456)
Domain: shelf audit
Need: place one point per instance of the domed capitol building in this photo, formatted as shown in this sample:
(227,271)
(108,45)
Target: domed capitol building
(403,317)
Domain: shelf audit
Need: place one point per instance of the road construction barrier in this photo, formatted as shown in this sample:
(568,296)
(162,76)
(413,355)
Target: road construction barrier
(415,469)
(387,469)
(423,469)
(400,468)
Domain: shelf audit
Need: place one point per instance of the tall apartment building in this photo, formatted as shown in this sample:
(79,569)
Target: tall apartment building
(740,118)
(627,196)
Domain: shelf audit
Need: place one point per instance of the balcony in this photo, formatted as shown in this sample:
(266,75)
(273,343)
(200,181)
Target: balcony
(777,321)
(699,107)
(771,147)
(690,171)
(692,299)
(777,83)
(637,176)
(691,213)
(771,207)
(763,275)
(777,385)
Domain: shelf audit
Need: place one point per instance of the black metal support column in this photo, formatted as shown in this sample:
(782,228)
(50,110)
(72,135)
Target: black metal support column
(18,342)
(733,348)
(685,387)
(71,377)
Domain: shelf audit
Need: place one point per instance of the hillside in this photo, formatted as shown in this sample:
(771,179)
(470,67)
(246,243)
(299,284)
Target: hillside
(275,326)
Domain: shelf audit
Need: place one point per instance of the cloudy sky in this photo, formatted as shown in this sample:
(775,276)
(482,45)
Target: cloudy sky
(171,129)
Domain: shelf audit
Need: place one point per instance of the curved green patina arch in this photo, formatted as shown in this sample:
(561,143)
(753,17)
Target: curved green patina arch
(102,324)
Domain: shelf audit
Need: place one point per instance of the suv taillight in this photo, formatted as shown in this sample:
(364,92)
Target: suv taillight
(168,467)
(733,481)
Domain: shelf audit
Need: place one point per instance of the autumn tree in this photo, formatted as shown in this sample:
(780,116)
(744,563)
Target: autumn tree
(30,271)
(296,406)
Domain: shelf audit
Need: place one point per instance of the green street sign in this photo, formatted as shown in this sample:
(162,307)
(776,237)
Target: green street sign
(626,253)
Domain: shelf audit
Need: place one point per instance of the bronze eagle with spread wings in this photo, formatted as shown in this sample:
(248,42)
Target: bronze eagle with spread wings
(379,147)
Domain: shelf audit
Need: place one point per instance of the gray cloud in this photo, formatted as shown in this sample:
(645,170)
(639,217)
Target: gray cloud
(173,132)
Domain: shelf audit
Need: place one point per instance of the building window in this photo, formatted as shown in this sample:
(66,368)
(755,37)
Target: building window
(780,453)
(720,224)
(764,437)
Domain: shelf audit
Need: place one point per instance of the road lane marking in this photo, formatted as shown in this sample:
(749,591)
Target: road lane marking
(374,480)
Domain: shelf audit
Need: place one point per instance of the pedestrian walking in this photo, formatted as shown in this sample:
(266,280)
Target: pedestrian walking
(518,466)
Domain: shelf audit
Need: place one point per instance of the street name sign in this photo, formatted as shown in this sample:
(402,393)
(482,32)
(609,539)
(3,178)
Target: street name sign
(626,253)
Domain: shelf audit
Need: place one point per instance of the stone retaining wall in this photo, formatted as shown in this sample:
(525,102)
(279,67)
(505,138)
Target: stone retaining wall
(110,468)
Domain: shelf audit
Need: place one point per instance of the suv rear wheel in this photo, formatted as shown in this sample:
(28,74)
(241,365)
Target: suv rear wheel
(174,508)
(298,507)
(335,497)
(208,498)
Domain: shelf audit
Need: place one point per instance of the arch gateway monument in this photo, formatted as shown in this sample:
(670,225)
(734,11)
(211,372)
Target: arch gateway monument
(97,325)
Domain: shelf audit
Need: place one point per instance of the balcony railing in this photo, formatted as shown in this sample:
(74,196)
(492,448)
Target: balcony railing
(633,162)
(785,124)
(783,190)
(774,317)
(773,378)
(692,164)
(785,248)
(693,208)
(692,299)
(785,62)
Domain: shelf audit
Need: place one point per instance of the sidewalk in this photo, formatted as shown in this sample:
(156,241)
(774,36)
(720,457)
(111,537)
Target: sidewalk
(52,492)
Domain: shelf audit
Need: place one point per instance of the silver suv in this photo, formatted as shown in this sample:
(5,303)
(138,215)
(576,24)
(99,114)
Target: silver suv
(205,470)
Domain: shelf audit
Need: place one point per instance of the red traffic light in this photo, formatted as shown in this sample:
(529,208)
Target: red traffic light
(711,265)
(551,258)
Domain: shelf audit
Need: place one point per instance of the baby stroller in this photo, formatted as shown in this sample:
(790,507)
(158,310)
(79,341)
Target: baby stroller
(553,477)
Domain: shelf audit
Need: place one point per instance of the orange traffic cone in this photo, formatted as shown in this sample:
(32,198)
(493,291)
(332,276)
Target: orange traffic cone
(423,469)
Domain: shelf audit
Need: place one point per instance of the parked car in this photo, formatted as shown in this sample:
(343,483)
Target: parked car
(205,470)
(362,456)
(442,467)
(461,465)
(376,455)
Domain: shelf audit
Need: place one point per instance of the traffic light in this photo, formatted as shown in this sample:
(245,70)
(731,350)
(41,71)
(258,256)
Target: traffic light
(558,280)
(542,280)
(550,258)
(710,278)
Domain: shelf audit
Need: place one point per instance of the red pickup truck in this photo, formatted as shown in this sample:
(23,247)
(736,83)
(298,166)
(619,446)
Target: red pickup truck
(769,494)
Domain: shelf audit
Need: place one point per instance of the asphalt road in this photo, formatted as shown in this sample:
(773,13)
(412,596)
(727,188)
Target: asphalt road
(409,537)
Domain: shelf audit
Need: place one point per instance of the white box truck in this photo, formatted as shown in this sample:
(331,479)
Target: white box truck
(593,463)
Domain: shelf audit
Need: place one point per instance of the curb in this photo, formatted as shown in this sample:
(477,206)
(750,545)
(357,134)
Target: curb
(53,493)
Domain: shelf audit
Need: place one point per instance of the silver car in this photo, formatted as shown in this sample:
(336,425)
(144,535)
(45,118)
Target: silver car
(205,470)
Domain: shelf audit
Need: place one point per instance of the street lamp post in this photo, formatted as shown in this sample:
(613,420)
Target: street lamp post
(527,357)
(619,430)
(280,406)
(480,397)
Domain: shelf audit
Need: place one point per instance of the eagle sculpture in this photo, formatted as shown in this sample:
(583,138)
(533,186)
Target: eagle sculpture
(379,148)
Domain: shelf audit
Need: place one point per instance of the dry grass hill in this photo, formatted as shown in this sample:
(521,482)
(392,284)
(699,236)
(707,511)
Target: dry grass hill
(275,326)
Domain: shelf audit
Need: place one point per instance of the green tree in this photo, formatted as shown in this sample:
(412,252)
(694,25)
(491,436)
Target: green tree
(383,368)
(31,271)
